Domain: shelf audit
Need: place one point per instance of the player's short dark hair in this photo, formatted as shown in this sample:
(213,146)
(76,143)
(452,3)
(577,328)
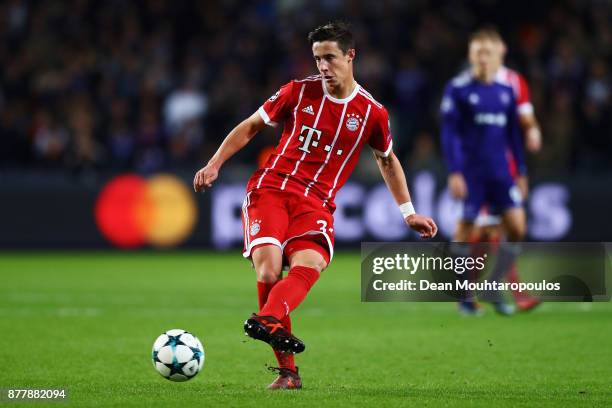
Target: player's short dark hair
(337,31)
(486,33)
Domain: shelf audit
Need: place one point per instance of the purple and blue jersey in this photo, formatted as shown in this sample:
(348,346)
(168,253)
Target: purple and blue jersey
(479,125)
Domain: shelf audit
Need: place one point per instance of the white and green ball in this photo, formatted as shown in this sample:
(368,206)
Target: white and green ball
(178,355)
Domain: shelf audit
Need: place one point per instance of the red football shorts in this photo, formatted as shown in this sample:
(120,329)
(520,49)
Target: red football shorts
(288,220)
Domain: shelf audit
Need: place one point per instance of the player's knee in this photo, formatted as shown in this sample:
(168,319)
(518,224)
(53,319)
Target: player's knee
(464,231)
(268,263)
(309,259)
(516,231)
(307,252)
(268,273)
(268,269)
(489,233)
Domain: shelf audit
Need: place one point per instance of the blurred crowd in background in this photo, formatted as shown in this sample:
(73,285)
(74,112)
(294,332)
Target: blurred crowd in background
(156,85)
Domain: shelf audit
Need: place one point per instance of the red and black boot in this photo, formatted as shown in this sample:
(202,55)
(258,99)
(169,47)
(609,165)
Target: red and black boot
(287,379)
(270,330)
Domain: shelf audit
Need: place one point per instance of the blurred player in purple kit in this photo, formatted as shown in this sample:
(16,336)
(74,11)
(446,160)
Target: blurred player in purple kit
(480,126)
(488,228)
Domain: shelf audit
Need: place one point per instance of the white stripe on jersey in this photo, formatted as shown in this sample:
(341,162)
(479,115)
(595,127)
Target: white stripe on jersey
(385,153)
(330,151)
(264,115)
(245,213)
(288,139)
(367,95)
(310,78)
(297,164)
(348,156)
(525,108)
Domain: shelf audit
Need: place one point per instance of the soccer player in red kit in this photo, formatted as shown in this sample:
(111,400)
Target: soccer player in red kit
(287,212)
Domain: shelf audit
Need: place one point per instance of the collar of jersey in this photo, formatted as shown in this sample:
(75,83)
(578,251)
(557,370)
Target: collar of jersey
(336,100)
(498,78)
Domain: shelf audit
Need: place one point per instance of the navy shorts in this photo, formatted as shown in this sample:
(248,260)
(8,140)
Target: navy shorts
(498,195)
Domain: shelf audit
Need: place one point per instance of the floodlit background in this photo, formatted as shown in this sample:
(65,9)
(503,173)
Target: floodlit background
(93,90)
(107,109)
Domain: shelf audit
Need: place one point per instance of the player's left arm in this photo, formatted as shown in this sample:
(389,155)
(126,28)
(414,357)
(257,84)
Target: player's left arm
(532,140)
(529,123)
(532,132)
(391,169)
(393,174)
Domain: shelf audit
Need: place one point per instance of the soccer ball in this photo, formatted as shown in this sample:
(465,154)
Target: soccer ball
(178,355)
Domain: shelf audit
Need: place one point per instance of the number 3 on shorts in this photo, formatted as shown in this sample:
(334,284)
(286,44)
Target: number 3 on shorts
(323,225)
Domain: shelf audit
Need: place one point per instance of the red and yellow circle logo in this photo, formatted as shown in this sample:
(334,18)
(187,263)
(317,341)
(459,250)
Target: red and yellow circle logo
(132,211)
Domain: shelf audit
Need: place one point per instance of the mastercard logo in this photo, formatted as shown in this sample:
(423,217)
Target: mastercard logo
(132,211)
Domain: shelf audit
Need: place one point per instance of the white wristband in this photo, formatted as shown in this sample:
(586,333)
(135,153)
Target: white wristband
(407,209)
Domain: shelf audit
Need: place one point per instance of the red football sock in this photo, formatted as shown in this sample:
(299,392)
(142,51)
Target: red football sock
(513,277)
(290,292)
(263,290)
(285,360)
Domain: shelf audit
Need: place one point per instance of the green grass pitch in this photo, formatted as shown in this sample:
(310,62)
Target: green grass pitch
(87,321)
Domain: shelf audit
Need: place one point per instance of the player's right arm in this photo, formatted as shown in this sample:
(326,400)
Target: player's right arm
(451,143)
(234,141)
(273,111)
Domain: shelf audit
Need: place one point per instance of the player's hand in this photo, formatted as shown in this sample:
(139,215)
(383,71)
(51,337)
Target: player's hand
(457,186)
(533,139)
(425,226)
(205,177)
(522,182)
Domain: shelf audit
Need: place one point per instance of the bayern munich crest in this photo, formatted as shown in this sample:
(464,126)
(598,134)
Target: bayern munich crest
(255,227)
(353,121)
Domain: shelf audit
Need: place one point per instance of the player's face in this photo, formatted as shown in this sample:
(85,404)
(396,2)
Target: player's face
(335,66)
(484,56)
(500,53)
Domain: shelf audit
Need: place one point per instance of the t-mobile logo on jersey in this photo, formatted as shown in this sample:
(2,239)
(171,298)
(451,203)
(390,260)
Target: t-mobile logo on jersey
(306,136)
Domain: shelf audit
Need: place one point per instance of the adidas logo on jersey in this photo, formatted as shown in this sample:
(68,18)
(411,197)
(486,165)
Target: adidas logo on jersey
(308,109)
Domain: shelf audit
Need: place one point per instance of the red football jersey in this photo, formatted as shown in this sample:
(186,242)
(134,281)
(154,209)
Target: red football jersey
(321,140)
(518,83)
